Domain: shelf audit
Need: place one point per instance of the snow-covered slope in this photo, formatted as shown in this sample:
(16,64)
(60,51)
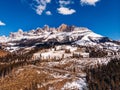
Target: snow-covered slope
(62,34)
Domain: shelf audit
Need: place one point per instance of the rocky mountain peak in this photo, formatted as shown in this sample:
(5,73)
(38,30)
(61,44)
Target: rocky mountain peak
(20,31)
(46,28)
(65,28)
(64,34)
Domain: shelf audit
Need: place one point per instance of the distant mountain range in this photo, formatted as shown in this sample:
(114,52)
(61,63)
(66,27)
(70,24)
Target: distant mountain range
(64,34)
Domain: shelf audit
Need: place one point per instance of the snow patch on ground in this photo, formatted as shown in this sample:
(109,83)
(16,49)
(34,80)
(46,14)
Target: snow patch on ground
(79,84)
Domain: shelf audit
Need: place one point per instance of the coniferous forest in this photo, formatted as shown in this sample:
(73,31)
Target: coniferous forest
(105,77)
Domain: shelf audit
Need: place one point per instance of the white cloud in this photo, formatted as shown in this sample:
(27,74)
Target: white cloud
(89,2)
(64,6)
(2,23)
(41,6)
(48,13)
(65,2)
(40,9)
(65,11)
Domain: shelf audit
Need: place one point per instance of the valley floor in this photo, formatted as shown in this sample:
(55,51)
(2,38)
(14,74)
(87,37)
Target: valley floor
(65,74)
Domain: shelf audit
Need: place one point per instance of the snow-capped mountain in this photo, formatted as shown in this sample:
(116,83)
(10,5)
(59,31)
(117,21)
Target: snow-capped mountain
(61,35)
(54,57)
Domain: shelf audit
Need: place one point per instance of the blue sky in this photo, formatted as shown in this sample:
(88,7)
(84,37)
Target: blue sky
(101,16)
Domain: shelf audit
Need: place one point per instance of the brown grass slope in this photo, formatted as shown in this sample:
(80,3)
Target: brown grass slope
(28,78)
